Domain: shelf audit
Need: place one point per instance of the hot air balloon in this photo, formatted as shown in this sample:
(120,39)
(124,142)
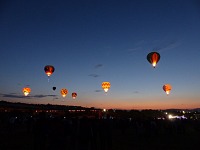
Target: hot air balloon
(64,92)
(54,88)
(74,95)
(26,90)
(153,58)
(49,70)
(167,88)
(105,86)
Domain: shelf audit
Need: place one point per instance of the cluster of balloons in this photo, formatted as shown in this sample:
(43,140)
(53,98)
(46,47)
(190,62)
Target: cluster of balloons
(153,59)
(49,71)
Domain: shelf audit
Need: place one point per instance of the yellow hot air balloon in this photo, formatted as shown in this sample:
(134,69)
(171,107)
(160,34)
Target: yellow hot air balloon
(167,88)
(153,58)
(105,86)
(26,90)
(64,92)
(74,95)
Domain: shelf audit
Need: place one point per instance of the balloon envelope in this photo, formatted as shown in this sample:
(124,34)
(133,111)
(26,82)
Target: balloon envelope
(105,86)
(153,58)
(167,88)
(26,90)
(74,94)
(54,88)
(64,92)
(49,70)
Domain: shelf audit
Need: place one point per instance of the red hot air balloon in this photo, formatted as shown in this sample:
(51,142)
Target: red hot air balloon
(167,88)
(49,70)
(74,95)
(153,58)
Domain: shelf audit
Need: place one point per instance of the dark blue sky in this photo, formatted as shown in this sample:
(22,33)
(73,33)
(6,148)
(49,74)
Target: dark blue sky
(91,41)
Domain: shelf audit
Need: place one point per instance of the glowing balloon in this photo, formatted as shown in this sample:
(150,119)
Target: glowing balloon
(64,92)
(74,95)
(105,86)
(26,90)
(49,70)
(167,88)
(54,88)
(153,58)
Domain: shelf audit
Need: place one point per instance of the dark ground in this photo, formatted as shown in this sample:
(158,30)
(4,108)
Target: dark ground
(99,134)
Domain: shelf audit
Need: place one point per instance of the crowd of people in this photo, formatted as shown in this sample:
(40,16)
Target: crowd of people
(83,133)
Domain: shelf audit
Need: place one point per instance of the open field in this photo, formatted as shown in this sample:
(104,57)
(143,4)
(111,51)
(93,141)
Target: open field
(99,134)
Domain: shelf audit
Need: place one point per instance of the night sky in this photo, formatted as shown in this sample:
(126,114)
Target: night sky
(91,41)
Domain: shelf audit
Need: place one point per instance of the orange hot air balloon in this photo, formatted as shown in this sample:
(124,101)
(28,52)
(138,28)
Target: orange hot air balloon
(153,58)
(167,88)
(26,90)
(74,95)
(64,92)
(49,70)
(105,86)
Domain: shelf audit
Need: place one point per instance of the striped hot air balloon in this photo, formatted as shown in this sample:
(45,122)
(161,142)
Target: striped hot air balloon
(153,58)
(105,86)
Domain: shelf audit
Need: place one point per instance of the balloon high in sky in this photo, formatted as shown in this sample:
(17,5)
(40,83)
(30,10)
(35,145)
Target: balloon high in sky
(153,58)
(79,44)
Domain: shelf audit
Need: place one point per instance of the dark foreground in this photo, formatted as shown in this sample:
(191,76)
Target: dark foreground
(98,134)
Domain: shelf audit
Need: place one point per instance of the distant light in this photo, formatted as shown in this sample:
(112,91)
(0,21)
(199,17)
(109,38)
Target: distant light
(104,110)
(170,116)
